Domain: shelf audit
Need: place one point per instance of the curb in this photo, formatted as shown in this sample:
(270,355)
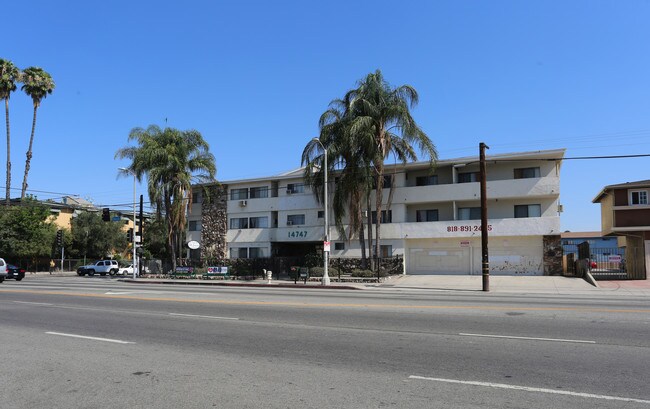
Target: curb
(226,284)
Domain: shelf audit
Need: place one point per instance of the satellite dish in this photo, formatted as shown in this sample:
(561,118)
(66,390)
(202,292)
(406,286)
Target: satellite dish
(193,245)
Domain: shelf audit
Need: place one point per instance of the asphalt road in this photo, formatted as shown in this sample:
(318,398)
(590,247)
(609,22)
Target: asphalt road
(93,342)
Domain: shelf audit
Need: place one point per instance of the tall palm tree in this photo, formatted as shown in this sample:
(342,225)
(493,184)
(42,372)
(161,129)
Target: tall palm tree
(9,76)
(382,113)
(37,84)
(171,160)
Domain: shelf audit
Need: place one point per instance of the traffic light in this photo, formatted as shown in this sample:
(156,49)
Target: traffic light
(106,214)
(59,238)
(129,235)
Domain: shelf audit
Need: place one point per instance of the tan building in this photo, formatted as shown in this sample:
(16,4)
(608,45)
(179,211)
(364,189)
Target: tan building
(625,212)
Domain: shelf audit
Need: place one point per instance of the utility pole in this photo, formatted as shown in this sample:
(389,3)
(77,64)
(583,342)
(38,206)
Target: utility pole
(485,261)
(141,241)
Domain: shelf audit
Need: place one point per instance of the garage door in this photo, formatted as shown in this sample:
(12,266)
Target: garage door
(439,261)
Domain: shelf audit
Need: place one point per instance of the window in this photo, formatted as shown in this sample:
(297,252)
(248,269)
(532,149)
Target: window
(238,194)
(259,192)
(532,210)
(426,215)
(196,197)
(526,173)
(294,219)
(469,213)
(238,252)
(468,177)
(295,188)
(258,223)
(195,225)
(239,223)
(426,180)
(255,252)
(321,214)
(339,246)
(388,182)
(639,197)
(386,251)
(386,217)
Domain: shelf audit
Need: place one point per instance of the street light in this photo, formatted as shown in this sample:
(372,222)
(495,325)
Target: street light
(326,242)
(133,244)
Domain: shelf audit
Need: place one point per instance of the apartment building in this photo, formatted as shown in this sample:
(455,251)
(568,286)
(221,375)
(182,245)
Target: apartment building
(433,220)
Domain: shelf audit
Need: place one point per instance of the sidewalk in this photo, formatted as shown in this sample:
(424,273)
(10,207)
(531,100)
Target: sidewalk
(498,284)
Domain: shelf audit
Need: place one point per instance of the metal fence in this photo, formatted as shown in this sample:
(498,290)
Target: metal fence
(616,263)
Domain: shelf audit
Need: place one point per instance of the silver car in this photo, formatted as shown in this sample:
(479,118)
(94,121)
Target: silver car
(3,270)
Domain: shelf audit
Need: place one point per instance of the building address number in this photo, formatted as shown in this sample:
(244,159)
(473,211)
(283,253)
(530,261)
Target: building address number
(293,234)
(451,229)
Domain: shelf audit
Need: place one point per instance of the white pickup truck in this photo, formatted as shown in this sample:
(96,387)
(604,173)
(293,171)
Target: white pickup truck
(101,267)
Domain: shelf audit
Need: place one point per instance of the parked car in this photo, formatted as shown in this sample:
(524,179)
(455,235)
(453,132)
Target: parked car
(3,270)
(14,272)
(127,271)
(102,267)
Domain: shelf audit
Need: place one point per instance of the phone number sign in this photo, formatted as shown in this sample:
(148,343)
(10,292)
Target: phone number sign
(467,228)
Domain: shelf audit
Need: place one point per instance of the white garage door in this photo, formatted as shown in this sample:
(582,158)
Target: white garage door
(439,261)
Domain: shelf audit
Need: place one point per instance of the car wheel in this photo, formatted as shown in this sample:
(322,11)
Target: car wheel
(1,280)
(18,278)
(113,272)
(91,272)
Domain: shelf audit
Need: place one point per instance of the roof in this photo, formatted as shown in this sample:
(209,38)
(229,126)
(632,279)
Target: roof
(627,185)
(581,234)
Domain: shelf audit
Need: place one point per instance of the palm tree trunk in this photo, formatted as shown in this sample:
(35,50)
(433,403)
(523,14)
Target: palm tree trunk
(369,211)
(378,206)
(8,184)
(29,155)
(362,238)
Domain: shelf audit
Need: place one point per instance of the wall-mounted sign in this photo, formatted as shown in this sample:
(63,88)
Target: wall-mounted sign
(193,245)
(464,243)
(467,228)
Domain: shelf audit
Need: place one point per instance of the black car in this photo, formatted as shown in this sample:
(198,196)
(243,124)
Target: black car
(14,272)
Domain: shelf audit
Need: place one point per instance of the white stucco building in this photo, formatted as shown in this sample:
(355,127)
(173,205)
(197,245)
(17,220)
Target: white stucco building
(433,220)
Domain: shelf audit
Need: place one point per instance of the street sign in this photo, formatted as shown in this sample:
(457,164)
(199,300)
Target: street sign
(326,246)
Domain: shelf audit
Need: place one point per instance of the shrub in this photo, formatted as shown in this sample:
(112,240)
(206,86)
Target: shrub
(318,271)
(367,273)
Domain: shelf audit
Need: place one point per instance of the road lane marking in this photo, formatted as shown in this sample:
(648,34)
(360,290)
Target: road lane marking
(320,305)
(528,338)
(32,303)
(116,341)
(203,316)
(531,389)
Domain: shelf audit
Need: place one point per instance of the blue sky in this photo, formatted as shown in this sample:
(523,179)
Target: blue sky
(254,76)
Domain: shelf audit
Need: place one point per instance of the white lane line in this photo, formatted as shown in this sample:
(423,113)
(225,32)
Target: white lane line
(203,316)
(531,389)
(117,341)
(32,303)
(528,338)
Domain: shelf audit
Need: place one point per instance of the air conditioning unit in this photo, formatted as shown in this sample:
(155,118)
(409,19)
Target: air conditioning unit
(289,222)
(243,203)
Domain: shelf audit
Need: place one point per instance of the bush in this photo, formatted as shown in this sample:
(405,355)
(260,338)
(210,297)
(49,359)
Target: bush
(318,271)
(367,273)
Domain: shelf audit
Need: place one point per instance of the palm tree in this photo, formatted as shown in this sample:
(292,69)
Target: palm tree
(346,161)
(171,160)
(37,84)
(380,114)
(9,75)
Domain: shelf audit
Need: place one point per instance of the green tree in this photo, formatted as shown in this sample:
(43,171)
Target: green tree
(37,84)
(171,160)
(346,159)
(26,231)
(381,115)
(9,76)
(95,239)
